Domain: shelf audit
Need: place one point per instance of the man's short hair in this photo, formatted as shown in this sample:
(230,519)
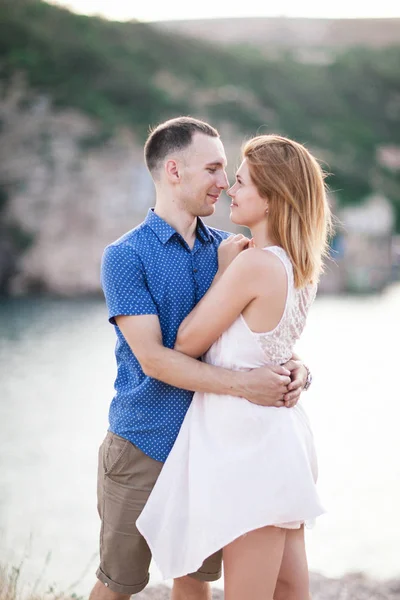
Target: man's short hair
(175,134)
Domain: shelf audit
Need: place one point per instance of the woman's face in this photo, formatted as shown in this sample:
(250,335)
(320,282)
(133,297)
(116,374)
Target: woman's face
(247,208)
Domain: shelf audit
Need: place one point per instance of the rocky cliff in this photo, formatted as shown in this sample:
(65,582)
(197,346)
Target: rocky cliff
(70,194)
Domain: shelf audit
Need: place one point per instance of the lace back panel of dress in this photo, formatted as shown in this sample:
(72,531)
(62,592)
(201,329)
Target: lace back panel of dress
(278,344)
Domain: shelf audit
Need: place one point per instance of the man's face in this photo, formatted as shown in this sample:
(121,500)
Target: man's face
(203,177)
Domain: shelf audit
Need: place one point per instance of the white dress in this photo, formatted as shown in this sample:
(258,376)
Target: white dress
(235,466)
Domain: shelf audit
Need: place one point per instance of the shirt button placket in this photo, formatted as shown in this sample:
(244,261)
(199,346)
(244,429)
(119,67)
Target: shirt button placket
(194,265)
(195,276)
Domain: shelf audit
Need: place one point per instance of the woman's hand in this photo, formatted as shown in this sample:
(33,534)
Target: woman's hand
(229,249)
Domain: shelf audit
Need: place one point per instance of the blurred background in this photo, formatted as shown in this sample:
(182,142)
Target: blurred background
(80,84)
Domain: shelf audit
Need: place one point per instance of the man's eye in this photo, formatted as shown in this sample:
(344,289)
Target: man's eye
(211,170)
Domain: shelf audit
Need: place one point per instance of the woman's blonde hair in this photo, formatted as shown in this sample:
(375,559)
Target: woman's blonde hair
(299,217)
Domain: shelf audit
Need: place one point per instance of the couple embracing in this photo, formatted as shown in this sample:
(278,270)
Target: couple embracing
(212,458)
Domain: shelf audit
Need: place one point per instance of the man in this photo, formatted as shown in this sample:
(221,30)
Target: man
(152,278)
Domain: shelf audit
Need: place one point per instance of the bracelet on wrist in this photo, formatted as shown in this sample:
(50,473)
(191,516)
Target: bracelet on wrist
(308,380)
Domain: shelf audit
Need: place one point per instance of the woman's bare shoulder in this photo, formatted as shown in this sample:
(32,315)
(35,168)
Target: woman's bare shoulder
(263,271)
(262,261)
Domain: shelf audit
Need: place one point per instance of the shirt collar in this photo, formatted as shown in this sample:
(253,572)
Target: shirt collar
(164,231)
(203,232)
(160,227)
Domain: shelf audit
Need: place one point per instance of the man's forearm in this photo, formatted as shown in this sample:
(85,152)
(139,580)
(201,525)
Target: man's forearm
(265,385)
(184,372)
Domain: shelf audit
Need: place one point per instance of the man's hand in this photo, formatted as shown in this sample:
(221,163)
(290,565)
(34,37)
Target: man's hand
(298,375)
(266,385)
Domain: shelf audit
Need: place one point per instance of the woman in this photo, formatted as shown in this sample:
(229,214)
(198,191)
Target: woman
(240,476)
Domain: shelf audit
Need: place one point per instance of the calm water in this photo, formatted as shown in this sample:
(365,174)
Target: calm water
(56,380)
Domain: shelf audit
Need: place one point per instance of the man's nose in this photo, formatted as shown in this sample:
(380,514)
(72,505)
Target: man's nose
(224,183)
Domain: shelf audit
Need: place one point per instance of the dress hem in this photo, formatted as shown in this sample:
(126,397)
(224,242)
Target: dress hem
(194,567)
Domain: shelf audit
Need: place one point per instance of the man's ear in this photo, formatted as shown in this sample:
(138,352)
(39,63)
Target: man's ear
(172,171)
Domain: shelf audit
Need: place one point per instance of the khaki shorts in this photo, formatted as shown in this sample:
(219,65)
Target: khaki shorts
(126,477)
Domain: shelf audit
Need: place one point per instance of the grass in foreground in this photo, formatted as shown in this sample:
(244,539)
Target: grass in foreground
(11,588)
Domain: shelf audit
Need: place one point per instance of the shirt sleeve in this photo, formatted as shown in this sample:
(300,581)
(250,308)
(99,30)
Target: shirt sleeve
(124,284)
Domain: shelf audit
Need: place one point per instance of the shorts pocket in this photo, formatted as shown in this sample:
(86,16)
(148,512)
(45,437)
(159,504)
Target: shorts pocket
(114,450)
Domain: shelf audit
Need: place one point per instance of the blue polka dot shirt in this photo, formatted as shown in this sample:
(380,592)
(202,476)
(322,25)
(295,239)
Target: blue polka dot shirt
(152,271)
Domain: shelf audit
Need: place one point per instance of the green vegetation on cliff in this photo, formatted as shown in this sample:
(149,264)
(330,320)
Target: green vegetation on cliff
(132,74)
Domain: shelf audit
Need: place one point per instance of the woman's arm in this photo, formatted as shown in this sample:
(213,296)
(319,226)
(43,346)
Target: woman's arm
(224,301)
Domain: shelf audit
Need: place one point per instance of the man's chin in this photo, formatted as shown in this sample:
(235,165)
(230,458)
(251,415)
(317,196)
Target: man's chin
(208,211)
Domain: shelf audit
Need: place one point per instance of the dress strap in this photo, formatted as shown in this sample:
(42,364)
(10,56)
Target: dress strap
(282,255)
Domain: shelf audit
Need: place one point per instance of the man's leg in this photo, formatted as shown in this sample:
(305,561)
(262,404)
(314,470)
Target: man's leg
(196,586)
(101,592)
(187,588)
(125,479)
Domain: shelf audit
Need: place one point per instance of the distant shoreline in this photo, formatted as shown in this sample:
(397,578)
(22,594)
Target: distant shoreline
(289,32)
(351,586)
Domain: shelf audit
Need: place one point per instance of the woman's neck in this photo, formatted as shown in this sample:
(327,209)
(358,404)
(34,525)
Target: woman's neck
(260,236)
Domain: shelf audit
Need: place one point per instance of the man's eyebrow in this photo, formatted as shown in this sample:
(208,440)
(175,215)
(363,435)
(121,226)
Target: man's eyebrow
(216,163)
